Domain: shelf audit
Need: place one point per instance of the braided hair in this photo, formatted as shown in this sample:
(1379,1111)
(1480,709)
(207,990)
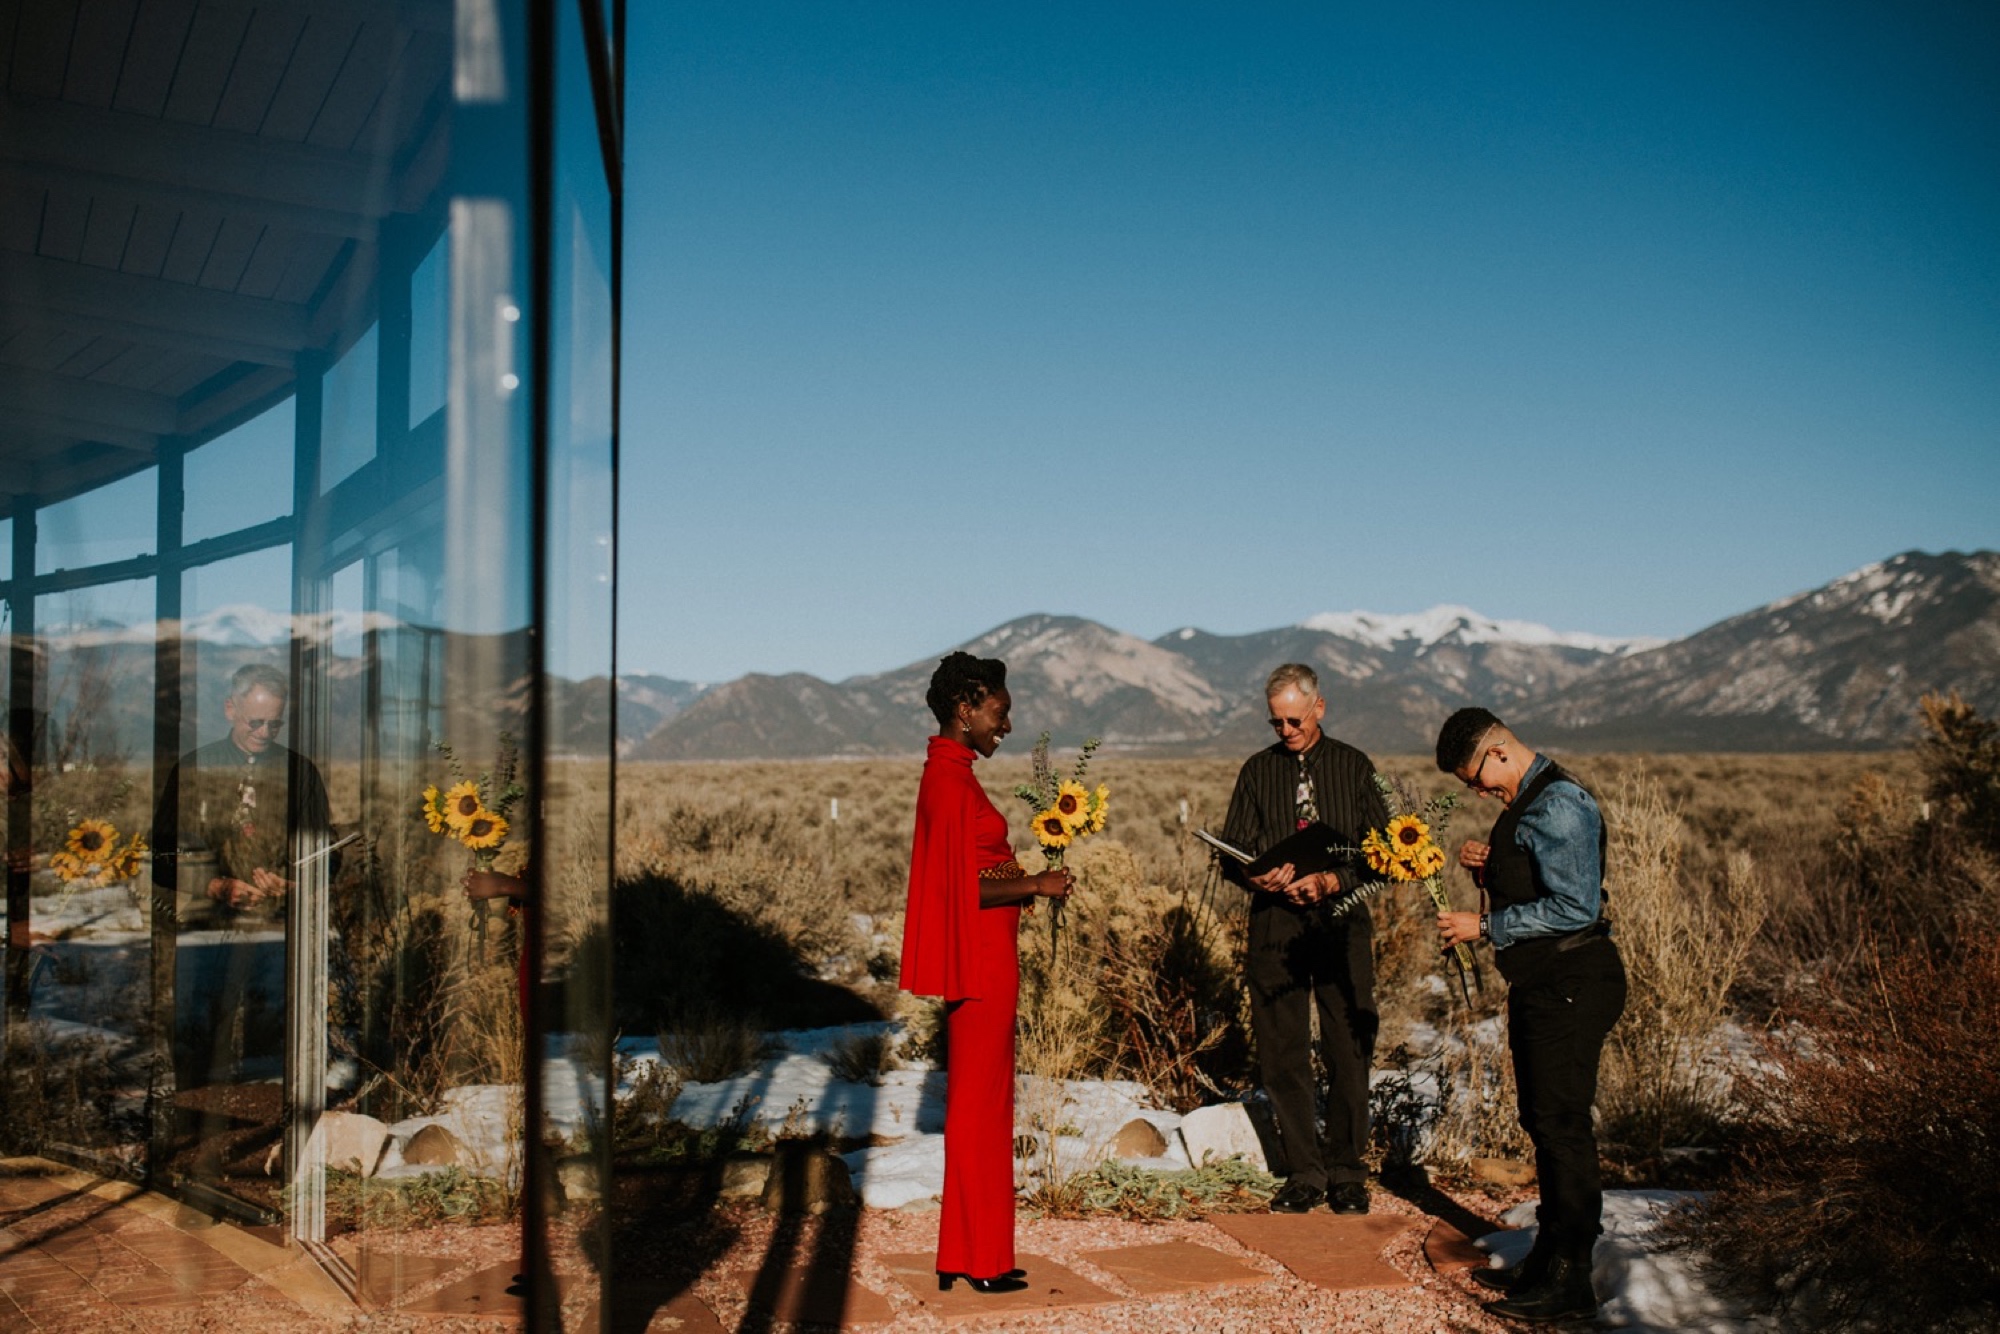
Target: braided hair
(961,678)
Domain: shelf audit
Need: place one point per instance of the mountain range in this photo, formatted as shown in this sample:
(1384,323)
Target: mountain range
(1838,667)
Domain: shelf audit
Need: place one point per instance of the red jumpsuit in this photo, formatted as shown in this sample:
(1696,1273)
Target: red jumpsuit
(967,954)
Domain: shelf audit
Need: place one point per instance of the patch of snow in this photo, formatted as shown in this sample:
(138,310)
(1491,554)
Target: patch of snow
(1642,1284)
(1448,623)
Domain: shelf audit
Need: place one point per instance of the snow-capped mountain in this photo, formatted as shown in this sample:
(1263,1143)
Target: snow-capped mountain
(1449,624)
(1838,666)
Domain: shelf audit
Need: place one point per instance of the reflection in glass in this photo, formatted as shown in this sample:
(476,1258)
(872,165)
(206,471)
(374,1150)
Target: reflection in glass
(240,479)
(430,331)
(112,523)
(88,765)
(347,412)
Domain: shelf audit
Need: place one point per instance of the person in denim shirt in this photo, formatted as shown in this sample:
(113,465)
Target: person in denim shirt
(1542,879)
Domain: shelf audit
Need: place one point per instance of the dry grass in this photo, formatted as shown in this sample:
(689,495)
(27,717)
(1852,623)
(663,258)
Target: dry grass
(1684,940)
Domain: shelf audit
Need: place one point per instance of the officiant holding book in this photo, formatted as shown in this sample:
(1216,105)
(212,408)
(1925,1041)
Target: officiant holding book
(1302,954)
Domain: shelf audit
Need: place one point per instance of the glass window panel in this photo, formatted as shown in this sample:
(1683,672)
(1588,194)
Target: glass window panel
(241,478)
(91,775)
(430,331)
(347,412)
(6,549)
(580,499)
(112,523)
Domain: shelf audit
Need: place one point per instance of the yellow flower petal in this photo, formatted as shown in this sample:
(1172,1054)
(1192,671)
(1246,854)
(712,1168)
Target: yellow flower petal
(484,830)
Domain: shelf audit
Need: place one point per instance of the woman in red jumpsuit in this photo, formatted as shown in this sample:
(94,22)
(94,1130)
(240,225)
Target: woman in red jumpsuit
(966,892)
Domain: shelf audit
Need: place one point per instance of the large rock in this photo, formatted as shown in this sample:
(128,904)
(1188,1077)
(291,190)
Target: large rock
(744,1175)
(1212,1134)
(434,1146)
(1510,1172)
(807,1179)
(579,1180)
(350,1141)
(1138,1138)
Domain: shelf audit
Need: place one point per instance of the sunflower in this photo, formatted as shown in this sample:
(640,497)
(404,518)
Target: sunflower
(434,809)
(1100,808)
(1052,830)
(1430,860)
(126,864)
(484,830)
(1380,859)
(462,805)
(66,865)
(1407,833)
(1405,869)
(90,838)
(1072,804)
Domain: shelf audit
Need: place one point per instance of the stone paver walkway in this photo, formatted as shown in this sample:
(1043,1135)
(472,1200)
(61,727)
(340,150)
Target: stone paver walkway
(82,1253)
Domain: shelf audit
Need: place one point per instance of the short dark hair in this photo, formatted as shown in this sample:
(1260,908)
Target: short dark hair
(961,678)
(1458,739)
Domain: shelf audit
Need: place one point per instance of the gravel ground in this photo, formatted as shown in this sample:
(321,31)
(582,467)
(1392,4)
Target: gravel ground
(1436,1303)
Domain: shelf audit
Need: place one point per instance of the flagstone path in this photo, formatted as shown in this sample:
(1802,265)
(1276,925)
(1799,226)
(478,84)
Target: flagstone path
(82,1253)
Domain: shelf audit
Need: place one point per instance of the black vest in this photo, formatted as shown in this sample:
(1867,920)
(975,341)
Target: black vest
(1511,879)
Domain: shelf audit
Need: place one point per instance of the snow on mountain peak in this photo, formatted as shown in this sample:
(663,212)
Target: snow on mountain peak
(1448,623)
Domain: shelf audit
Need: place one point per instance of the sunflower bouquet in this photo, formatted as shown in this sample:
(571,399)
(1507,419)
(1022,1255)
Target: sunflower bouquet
(1065,810)
(91,858)
(1407,851)
(474,810)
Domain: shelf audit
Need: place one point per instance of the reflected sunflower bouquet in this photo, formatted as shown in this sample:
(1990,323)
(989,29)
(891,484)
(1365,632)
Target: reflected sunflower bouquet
(91,857)
(474,810)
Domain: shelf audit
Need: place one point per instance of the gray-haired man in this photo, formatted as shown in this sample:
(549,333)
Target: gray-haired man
(1302,953)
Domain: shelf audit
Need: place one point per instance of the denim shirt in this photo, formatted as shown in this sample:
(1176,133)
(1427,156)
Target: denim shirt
(1560,832)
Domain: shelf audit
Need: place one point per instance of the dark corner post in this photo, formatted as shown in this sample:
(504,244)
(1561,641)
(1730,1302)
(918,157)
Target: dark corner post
(164,919)
(22,741)
(543,1300)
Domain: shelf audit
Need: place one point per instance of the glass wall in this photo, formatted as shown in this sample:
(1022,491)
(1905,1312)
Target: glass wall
(306,497)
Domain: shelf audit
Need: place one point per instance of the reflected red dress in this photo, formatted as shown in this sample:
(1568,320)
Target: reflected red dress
(967,954)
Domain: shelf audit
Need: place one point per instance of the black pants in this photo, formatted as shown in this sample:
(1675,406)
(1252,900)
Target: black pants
(1557,1021)
(1299,956)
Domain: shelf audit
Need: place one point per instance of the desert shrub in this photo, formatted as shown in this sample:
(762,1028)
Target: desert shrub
(451,1195)
(54,1089)
(706,1044)
(642,1118)
(1683,940)
(1451,1102)
(1173,1005)
(1959,753)
(862,1058)
(1867,1185)
(1231,1186)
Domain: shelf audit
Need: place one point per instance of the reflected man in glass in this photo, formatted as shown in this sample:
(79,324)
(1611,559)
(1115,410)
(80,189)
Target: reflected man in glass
(231,818)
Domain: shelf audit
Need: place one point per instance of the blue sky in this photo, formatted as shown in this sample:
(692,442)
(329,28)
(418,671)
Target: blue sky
(1619,320)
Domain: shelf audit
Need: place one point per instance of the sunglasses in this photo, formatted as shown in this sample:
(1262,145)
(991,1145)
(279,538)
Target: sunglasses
(1293,724)
(263,724)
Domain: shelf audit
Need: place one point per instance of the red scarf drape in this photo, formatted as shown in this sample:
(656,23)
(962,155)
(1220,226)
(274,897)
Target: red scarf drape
(958,832)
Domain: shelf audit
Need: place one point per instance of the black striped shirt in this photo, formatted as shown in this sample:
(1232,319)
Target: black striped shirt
(1264,809)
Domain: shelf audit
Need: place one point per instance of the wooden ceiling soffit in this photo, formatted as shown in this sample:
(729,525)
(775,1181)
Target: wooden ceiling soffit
(17,178)
(111,304)
(139,150)
(113,407)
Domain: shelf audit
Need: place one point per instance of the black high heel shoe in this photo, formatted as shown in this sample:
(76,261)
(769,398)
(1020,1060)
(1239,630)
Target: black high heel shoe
(1014,1280)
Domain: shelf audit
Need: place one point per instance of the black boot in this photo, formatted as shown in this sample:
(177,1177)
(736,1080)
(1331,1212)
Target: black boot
(1563,1292)
(1523,1273)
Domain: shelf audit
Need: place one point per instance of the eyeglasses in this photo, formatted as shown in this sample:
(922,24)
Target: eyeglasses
(1293,724)
(1473,782)
(263,724)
